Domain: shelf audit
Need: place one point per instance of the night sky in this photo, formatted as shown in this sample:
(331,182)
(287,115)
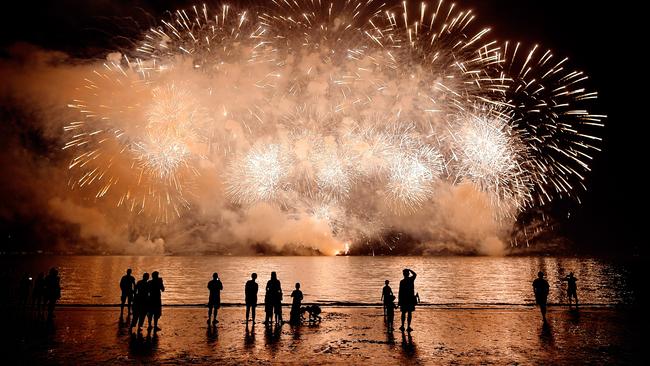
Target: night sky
(599,38)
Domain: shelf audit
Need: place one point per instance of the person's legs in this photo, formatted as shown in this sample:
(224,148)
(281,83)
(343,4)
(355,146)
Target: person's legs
(130,299)
(122,299)
(253,312)
(542,308)
(134,320)
(267,313)
(50,309)
(403,318)
(248,310)
(155,321)
(141,316)
(410,315)
(209,312)
(216,310)
(278,313)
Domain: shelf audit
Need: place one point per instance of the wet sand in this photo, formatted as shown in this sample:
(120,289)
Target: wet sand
(350,335)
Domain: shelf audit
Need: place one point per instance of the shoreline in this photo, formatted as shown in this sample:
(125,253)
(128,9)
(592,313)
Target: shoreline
(450,306)
(353,335)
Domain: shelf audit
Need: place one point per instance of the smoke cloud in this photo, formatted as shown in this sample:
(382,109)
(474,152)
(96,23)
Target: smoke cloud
(40,187)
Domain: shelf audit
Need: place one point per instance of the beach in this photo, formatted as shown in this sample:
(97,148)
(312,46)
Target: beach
(83,335)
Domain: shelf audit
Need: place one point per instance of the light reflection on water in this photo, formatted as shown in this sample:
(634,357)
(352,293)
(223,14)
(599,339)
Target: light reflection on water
(441,280)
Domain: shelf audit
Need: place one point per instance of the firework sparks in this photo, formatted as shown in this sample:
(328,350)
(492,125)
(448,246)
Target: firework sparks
(341,104)
(258,176)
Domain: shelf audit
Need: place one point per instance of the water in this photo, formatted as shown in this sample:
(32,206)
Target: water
(454,281)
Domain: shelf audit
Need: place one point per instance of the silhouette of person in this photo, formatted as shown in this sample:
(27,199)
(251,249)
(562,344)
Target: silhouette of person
(277,303)
(385,293)
(52,291)
(127,285)
(406,298)
(294,316)
(156,287)
(541,288)
(273,299)
(250,292)
(268,305)
(215,286)
(24,288)
(389,306)
(38,293)
(140,302)
(572,288)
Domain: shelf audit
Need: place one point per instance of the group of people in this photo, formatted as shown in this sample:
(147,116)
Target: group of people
(143,299)
(406,300)
(272,301)
(45,291)
(541,289)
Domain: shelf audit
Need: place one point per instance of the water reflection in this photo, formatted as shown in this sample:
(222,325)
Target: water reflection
(249,337)
(212,334)
(441,280)
(143,345)
(272,336)
(546,335)
(409,351)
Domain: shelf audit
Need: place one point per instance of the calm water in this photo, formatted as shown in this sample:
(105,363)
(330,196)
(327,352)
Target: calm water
(441,280)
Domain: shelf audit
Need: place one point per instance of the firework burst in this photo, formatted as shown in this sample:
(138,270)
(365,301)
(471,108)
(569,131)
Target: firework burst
(548,102)
(334,110)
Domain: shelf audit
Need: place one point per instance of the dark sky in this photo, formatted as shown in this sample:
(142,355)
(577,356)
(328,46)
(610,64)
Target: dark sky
(600,38)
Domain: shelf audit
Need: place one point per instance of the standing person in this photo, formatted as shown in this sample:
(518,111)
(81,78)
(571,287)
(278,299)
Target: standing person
(273,299)
(540,289)
(250,292)
(406,297)
(38,293)
(386,292)
(140,302)
(156,287)
(127,285)
(52,291)
(572,289)
(215,286)
(294,316)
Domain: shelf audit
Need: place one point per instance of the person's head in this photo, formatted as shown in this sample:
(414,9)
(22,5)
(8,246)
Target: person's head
(297,285)
(387,282)
(53,271)
(215,275)
(405,272)
(154,275)
(145,276)
(570,274)
(274,276)
(254,276)
(540,274)
(128,271)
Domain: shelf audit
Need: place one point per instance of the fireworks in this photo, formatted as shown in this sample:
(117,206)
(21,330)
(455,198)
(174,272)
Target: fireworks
(259,175)
(491,154)
(349,106)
